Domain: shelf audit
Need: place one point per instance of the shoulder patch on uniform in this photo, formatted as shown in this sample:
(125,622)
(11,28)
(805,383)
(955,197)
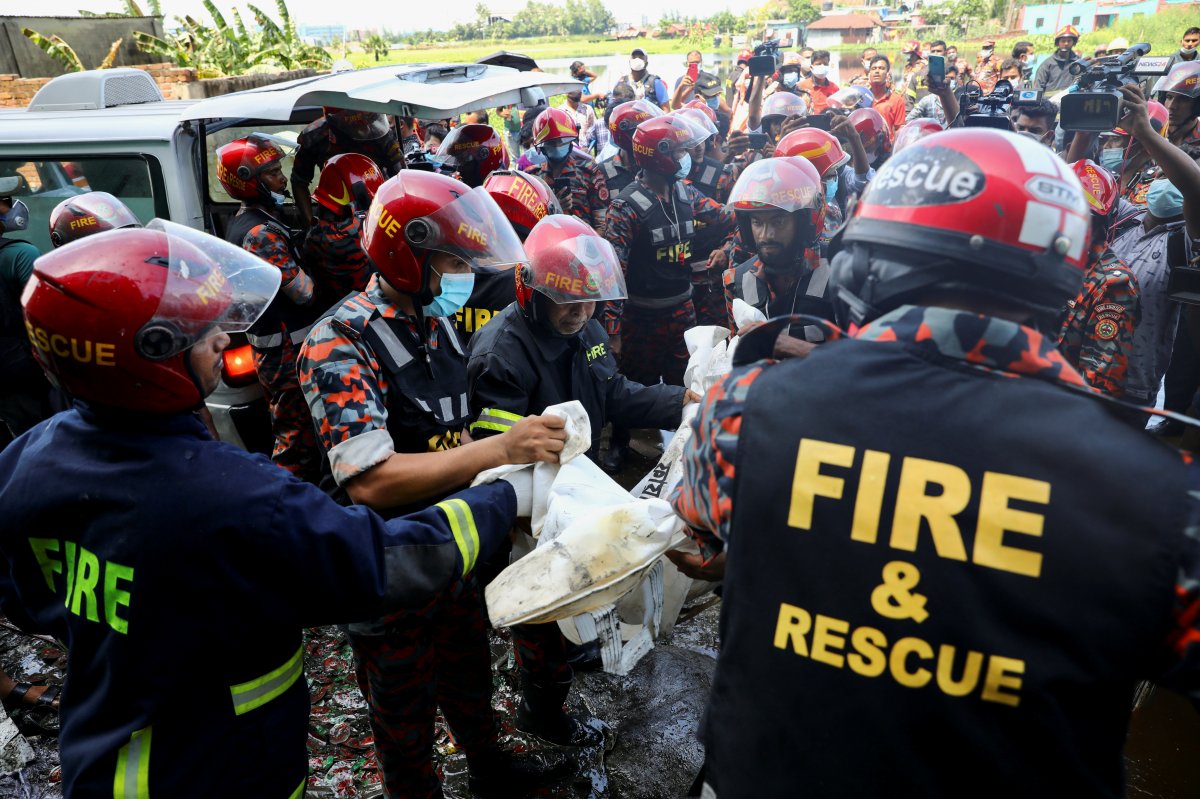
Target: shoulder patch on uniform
(1106,329)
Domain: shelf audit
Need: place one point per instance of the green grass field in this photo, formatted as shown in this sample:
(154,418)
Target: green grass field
(583,47)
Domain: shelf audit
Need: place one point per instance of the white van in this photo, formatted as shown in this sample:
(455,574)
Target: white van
(110,130)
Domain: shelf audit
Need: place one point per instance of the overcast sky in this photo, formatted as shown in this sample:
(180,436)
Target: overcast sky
(439,15)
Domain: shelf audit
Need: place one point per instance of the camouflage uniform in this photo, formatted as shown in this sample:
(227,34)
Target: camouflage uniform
(417,661)
(1096,333)
(579,187)
(652,344)
(334,256)
(295,447)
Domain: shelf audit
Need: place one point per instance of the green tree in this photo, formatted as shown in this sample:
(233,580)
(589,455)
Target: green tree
(723,21)
(55,47)
(959,13)
(802,12)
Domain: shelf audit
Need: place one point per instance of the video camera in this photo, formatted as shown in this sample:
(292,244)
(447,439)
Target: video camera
(766,59)
(1093,102)
(995,110)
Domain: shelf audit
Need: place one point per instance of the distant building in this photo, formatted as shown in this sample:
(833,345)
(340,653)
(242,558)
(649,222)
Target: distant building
(1094,15)
(786,33)
(835,29)
(321,34)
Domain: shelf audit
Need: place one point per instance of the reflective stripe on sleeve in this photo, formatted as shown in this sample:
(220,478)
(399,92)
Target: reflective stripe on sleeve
(462,525)
(132,780)
(495,419)
(299,792)
(249,695)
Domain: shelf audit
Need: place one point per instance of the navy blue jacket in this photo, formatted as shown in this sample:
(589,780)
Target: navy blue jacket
(180,572)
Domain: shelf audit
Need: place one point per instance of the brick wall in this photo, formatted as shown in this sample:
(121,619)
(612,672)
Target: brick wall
(176,83)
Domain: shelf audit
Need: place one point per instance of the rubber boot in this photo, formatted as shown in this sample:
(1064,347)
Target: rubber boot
(499,774)
(618,446)
(541,714)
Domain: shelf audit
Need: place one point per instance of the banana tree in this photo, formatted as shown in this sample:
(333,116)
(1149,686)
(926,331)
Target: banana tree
(55,47)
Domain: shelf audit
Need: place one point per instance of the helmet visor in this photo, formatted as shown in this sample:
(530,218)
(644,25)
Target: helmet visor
(845,99)
(784,104)
(700,120)
(211,284)
(472,228)
(462,147)
(773,183)
(360,125)
(584,269)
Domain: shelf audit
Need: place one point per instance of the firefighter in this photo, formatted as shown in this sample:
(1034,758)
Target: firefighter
(146,546)
(342,130)
(85,214)
(473,152)
(524,199)
(386,379)
(570,172)
(780,207)
(1095,332)
(544,349)
(710,177)
(332,251)
(250,170)
(651,227)
(938,541)
(25,396)
(623,120)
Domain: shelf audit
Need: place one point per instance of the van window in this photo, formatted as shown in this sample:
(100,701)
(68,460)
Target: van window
(136,180)
(218,139)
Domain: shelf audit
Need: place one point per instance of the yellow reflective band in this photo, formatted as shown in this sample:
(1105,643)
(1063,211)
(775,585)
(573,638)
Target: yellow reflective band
(299,792)
(132,780)
(256,693)
(462,525)
(495,419)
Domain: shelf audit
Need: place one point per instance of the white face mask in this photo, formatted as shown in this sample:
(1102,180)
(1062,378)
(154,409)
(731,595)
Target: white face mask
(1187,51)
(820,70)
(637,64)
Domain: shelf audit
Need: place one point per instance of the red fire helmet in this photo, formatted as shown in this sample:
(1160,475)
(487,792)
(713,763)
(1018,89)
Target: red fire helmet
(525,199)
(240,162)
(113,316)
(973,210)
(625,118)
(914,131)
(475,151)
(657,141)
(783,183)
(1099,186)
(568,262)
(417,212)
(820,147)
(554,124)
(341,173)
(85,214)
(875,133)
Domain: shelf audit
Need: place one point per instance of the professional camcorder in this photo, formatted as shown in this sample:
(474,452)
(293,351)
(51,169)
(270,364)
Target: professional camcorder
(766,59)
(1093,103)
(995,110)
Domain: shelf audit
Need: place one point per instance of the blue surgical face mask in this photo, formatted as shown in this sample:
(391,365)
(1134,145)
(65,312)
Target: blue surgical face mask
(714,102)
(1111,159)
(790,79)
(278,198)
(685,166)
(831,187)
(456,290)
(556,152)
(16,219)
(1164,200)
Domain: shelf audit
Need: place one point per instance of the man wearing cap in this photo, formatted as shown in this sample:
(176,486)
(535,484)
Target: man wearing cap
(25,396)
(913,78)
(1053,75)
(640,83)
(987,66)
(706,87)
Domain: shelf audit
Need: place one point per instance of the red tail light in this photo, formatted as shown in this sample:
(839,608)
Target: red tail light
(238,369)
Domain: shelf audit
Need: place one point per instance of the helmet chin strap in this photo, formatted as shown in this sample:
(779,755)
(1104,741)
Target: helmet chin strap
(420,300)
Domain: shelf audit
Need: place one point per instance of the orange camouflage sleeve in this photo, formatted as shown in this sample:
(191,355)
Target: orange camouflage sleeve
(340,380)
(704,498)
